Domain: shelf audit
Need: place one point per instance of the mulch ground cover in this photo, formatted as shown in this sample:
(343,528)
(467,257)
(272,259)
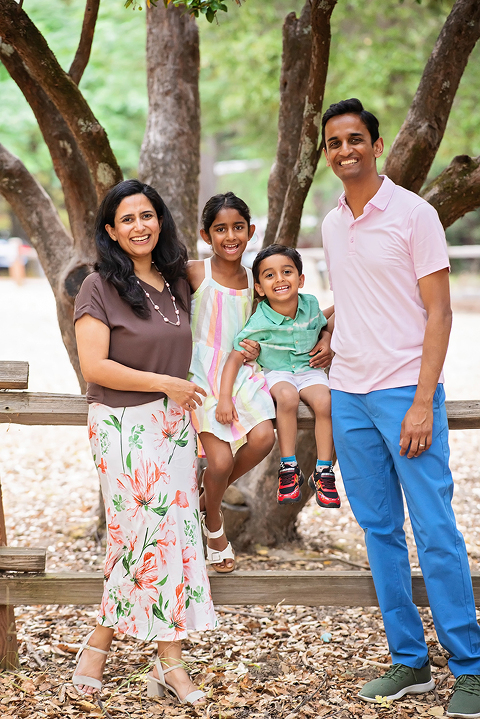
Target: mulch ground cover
(262,661)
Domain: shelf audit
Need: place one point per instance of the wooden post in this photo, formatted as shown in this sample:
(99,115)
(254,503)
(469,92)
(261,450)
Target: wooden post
(8,631)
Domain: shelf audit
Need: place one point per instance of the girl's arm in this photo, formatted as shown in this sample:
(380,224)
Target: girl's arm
(93,342)
(226,412)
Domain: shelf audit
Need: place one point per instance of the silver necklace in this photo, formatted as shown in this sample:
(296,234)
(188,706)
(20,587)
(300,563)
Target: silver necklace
(156,307)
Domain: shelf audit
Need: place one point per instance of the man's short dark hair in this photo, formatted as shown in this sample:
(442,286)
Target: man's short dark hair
(276,250)
(352,107)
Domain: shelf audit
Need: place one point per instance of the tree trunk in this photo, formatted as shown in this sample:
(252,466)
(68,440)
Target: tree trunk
(416,145)
(270,523)
(170,155)
(297,48)
(309,148)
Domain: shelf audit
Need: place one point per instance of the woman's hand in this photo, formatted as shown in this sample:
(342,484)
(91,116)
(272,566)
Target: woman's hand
(183,392)
(226,412)
(251,350)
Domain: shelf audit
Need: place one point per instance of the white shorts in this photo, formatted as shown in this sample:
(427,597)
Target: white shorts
(301,380)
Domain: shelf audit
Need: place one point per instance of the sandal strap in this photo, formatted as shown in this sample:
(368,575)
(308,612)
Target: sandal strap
(79,679)
(194,696)
(211,535)
(216,556)
(170,669)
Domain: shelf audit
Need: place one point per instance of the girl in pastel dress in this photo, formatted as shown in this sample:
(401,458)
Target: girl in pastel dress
(222,302)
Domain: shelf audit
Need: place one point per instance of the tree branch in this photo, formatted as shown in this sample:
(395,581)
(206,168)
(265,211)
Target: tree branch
(416,145)
(37,213)
(54,245)
(456,190)
(17,30)
(297,49)
(309,148)
(69,163)
(82,56)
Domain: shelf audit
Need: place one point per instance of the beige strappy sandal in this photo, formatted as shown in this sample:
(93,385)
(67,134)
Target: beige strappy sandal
(79,679)
(156,687)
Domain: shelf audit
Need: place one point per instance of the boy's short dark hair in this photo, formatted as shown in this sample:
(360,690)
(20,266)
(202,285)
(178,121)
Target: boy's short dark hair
(276,250)
(352,107)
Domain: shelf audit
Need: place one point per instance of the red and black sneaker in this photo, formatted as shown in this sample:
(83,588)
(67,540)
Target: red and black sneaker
(323,484)
(290,479)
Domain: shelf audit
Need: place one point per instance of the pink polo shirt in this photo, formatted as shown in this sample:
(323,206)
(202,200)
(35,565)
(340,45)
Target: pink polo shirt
(374,264)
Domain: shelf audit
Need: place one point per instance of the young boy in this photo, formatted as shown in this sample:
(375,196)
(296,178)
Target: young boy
(287,326)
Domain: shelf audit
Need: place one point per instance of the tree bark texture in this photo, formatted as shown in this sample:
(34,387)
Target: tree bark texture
(416,145)
(297,48)
(68,162)
(270,523)
(52,242)
(309,146)
(170,155)
(18,32)
(456,190)
(82,56)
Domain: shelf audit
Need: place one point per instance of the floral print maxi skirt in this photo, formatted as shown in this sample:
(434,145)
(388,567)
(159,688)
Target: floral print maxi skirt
(156,583)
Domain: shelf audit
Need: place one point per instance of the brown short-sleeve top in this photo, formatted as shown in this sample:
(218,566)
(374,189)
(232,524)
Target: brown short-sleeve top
(151,345)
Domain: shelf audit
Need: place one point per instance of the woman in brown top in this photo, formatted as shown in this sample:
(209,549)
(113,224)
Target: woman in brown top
(134,344)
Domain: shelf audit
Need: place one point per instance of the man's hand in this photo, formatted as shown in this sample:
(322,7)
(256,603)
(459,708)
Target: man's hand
(416,431)
(251,350)
(322,355)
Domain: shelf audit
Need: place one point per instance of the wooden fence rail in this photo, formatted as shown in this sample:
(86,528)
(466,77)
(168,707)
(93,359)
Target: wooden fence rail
(19,585)
(308,588)
(71,409)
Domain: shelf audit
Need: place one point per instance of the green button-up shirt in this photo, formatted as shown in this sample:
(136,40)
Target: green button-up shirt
(285,342)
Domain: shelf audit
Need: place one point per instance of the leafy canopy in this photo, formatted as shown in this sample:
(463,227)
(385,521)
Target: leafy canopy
(209,8)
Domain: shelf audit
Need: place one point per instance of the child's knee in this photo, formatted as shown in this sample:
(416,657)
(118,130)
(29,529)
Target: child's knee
(220,465)
(287,399)
(265,436)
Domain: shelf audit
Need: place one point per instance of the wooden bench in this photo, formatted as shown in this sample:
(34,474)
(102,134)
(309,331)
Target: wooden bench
(27,582)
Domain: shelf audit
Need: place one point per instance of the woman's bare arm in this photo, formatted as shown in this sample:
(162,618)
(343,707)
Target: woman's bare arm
(93,342)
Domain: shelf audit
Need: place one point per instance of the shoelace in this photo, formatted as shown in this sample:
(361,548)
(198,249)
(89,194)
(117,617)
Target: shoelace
(328,483)
(398,670)
(468,683)
(287,477)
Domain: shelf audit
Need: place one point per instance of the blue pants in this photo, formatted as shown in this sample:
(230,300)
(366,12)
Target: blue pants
(366,431)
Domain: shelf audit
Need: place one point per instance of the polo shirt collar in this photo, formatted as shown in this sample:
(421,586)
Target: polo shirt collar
(380,200)
(277,318)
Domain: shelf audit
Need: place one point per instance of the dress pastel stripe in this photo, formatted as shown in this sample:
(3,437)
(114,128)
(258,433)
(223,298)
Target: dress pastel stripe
(218,315)
(156,583)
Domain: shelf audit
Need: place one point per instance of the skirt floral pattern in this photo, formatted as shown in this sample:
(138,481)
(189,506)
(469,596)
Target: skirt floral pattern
(156,583)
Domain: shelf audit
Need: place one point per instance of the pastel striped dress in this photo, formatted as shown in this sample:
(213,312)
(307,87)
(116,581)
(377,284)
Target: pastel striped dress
(218,315)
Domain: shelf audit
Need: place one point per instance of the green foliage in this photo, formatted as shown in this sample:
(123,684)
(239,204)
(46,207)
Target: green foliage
(379,49)
(209,8)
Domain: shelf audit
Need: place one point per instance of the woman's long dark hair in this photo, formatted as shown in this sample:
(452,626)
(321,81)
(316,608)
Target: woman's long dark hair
(169,255)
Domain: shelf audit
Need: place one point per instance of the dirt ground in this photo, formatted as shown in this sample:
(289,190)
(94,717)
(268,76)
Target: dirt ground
(262,661)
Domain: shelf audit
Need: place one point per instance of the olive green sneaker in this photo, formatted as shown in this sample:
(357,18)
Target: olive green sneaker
(465,701)
(399,680)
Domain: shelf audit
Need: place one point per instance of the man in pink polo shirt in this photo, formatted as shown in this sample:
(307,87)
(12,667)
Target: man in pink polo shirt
(388,264)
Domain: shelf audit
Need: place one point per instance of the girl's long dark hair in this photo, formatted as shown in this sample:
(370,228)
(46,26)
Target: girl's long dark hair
(113,265)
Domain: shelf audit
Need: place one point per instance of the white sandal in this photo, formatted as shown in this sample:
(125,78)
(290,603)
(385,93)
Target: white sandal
(215,556)
(156,687)
(79,679)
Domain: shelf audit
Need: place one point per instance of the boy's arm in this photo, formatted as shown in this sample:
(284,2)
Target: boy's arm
(226,412)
